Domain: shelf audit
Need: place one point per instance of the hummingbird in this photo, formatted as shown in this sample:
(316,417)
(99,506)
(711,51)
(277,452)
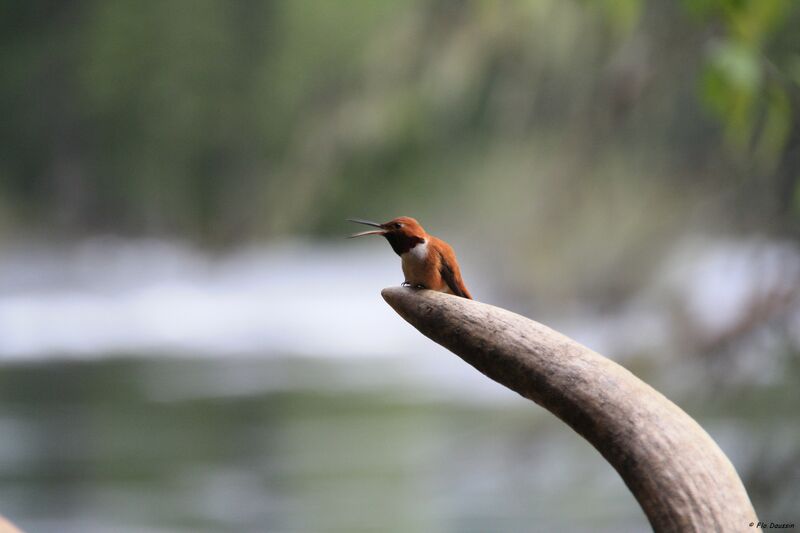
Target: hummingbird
(428,262)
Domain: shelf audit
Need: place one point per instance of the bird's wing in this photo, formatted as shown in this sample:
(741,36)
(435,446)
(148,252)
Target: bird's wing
(452,277)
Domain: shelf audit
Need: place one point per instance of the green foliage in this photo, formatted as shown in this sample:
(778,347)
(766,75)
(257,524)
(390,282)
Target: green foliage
(737,84)
(623,15)
(233,120)
(751,84)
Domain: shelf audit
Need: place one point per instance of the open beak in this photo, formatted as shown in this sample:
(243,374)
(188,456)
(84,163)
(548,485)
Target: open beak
(368,223)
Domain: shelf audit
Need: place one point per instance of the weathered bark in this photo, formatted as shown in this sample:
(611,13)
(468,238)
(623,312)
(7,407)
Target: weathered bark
(676,472)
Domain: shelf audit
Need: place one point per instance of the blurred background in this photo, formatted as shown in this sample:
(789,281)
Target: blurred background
(187,343)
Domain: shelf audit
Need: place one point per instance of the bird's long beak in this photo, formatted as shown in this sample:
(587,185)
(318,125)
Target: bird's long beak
(368,223)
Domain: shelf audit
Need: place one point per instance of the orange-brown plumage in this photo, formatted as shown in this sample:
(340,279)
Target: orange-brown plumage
(428,262)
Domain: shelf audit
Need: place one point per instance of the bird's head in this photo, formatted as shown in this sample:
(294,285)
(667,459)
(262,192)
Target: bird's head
(403,233)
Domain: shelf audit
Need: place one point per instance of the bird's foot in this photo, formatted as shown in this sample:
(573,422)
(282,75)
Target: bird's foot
(419,286)
(405,284)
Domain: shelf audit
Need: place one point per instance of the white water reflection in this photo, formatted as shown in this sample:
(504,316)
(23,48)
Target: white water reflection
(110,297)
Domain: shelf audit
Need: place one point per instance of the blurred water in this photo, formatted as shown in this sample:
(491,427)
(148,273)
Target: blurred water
(146,386)
(110,296)
(102,446)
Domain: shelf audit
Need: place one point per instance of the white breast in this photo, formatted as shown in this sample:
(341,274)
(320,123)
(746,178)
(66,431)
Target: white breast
(418,252)
(415,264)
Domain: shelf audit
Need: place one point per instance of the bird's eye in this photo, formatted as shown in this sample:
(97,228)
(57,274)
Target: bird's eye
(398,225)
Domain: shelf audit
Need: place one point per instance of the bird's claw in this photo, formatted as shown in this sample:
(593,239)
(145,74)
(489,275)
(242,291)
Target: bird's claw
(405,284)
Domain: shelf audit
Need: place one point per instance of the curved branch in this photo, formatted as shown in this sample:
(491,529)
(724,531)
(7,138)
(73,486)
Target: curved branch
(676,472)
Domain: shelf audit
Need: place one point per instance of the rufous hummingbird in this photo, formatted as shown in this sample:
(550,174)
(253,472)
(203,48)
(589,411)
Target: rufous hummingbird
(428,262)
